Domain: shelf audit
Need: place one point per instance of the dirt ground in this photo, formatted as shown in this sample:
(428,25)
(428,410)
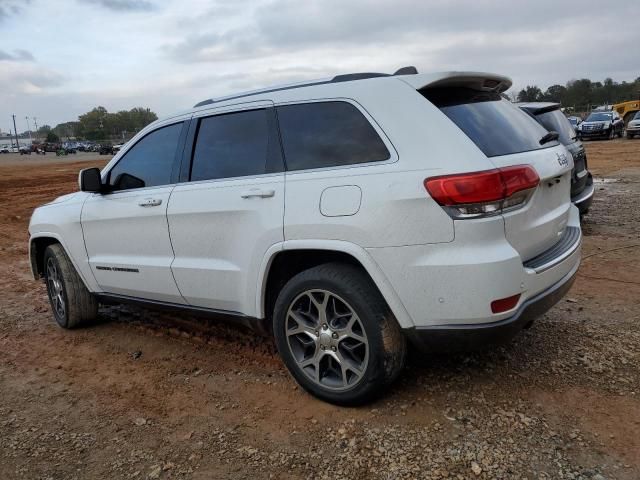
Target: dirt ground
(149,395)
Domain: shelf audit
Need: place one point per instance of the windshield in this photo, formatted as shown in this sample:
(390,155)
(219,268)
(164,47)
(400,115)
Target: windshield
(555,120)
(637,117)
(494,124)
(599,117)
(573,120)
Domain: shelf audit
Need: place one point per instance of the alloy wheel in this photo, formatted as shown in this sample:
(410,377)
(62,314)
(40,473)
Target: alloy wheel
(55,288)
(327,339)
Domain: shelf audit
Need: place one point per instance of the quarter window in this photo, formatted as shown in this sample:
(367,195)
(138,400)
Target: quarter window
(149,162)
(231,145)
(328,134)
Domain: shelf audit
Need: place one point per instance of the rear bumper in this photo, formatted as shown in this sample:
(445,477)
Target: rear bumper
(478,336)
(583,199)
(442,286)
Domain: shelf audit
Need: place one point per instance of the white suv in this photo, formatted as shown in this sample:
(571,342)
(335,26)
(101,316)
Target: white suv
(346,216)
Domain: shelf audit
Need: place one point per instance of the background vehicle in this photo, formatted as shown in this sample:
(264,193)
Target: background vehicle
(575,122)
(549,115)
(4,149)
(397,213)
(69,147)
(627,110)
(633,127)
(51,147)
(105,150)
(602,124)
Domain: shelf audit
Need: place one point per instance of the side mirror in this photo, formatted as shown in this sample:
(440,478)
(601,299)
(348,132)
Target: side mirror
(89,180)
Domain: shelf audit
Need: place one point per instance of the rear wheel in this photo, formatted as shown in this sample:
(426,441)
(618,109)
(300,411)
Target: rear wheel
(336,335)
(72,304)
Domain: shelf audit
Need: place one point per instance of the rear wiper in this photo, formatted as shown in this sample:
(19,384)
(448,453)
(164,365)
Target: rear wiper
(549,137)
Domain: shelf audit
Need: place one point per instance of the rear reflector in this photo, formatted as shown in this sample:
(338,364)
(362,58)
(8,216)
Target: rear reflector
(483,193)
(504,304)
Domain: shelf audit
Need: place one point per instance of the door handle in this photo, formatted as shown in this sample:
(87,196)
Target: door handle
(258,192)
(150,202)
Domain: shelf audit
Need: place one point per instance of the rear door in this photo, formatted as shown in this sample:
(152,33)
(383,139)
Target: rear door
(508,136)
(229,211)
(125,230)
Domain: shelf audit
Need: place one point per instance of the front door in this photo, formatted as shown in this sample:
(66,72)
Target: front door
(230,212)
(125,229)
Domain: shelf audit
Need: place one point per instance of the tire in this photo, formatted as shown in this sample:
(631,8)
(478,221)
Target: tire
(354,350)
(71,303)
(612,134)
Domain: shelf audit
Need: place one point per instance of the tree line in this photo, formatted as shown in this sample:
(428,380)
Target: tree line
(582,94)
(99,125)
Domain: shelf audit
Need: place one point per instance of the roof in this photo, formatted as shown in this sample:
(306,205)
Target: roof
(477,80)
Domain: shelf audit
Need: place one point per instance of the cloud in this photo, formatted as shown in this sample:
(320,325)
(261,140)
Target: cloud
(18,56)
(189,50)
(297,27)
(124,5)
(9,8)
(26,78)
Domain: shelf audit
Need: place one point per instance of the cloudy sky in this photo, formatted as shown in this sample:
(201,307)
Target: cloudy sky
(60,58)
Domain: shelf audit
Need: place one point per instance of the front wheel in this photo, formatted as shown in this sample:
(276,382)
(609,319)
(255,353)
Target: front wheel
(612,134)
(72,304)
(336,335)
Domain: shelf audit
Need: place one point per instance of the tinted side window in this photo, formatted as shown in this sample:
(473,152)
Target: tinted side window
(328,134)
(149,161)
(231,145)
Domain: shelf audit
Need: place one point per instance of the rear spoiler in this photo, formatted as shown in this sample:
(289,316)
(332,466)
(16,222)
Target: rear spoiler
(488,82)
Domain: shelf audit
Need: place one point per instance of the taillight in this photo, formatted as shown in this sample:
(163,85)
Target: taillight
(476,194)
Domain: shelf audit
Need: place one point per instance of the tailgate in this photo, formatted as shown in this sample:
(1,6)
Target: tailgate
(509,137)
(539,225)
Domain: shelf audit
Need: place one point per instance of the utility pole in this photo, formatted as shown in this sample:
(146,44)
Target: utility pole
(29,130)
(15,129)
(35,121)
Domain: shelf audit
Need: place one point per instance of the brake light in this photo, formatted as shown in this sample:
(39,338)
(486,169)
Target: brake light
(504,304)
(483,193)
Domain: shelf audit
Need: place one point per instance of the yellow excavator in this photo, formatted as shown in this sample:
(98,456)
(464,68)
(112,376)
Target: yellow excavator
(627,109)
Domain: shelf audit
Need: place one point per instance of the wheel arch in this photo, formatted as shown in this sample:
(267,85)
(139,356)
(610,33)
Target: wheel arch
(286,260)
(38,243)
(37,246)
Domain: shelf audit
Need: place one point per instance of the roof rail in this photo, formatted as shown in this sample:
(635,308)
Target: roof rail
(411,70)
(347,77)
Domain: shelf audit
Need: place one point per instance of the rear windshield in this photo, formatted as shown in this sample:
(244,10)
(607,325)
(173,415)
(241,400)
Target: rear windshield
(494,124)
(555,120)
